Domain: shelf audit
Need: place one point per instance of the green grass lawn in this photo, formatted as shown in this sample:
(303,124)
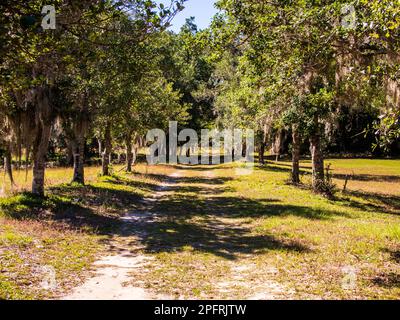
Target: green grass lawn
(369,175)
(65,232)
(247,236)
(220,235)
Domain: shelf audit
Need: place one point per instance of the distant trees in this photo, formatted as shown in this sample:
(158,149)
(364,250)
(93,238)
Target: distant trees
(306,61)
(110,71)
(84,74)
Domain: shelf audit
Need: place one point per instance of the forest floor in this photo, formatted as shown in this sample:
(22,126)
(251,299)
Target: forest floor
(205,232)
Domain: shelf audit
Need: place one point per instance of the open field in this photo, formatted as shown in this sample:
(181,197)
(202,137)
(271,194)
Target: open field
(369,175)
(66,231)
(217,234)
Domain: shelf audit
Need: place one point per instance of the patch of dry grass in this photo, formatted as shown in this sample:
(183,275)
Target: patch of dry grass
(59,237)
(229,236)
(36,253)
(217,235)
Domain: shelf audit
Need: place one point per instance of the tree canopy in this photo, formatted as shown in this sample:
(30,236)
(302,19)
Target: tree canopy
(311,73)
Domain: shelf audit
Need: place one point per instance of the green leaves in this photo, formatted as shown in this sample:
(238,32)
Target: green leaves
(29,21)
(307,61)
(387,129)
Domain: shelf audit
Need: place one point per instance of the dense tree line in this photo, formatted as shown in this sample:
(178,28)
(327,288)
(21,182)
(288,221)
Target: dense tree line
(304,66)
(98,74)
(312,73)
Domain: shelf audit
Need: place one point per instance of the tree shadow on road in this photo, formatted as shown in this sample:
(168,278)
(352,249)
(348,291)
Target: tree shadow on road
(373,202)
(211,236)
(197,214)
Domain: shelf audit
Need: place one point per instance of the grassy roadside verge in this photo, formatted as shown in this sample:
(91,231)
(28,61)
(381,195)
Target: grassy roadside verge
(218,236)
(225,236)
(47,246)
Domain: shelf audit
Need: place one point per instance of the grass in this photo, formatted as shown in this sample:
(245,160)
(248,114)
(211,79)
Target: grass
(31,251)
(60,236)
(227,236)
(365,175)
(219,235)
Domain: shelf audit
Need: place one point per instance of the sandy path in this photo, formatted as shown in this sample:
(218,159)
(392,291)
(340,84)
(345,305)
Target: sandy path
(112,280)
(242,270)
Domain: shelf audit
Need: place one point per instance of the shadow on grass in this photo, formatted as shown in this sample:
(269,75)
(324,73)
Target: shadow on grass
(141,185)
(214,237)
(233,207)
(387,280)
(394,254)
(59,209)
(198,168)
(191,180)
(94,208)
(374,202)
(279,167)
(184,219)
(178,220)
(367,177)
(182,202)
(284,167)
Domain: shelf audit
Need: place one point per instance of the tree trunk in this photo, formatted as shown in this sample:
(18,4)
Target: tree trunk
(100,144)
(8,165)
(105,157)
(318,176)
(264,142)
(70,153)
(39,159)
(129,154)
(135,154)
(296,155)
(79,162)
(41,142)
(244,149)
(19,165)
(261,154)
(277,144)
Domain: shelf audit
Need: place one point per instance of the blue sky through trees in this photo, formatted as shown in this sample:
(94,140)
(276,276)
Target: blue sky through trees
(202,10)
